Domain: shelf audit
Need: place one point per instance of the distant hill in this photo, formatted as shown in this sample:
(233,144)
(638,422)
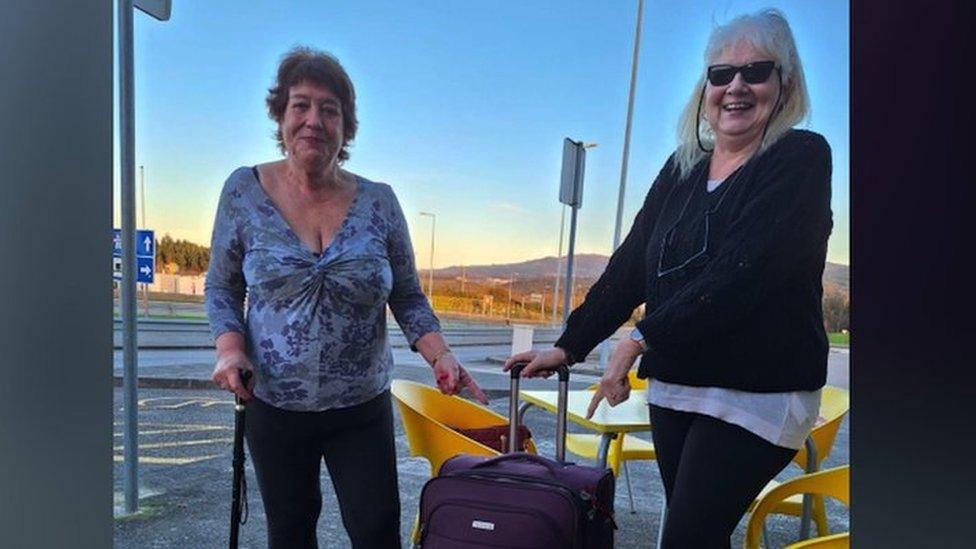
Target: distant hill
(838,275)
(584,266)
(591,266)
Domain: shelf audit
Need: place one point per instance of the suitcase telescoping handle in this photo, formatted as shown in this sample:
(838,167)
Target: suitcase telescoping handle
(561,409)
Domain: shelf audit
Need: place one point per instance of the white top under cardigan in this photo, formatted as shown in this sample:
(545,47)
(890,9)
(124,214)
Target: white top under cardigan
(783,419)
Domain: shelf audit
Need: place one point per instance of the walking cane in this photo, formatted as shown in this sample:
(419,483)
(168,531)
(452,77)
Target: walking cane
(238,505)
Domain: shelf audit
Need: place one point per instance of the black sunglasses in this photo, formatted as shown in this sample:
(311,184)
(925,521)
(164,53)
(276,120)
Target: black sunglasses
(752,73)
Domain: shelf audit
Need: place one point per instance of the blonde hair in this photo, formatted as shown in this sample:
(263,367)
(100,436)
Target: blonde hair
(767,31)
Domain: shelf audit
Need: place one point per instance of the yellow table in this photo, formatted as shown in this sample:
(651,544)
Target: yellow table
(627,417)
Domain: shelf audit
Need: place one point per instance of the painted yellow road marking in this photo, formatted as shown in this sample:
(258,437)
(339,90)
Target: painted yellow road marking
(178,443)
(160,403)
(167,429)
(150,460)
(177,429)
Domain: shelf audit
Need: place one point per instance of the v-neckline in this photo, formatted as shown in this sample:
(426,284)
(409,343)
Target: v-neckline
(291,231)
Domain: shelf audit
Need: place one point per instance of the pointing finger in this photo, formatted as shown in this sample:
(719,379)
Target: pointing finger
(594,403)
(476,391)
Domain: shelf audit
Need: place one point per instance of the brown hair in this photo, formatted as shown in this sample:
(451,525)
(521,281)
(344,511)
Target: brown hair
(304,64)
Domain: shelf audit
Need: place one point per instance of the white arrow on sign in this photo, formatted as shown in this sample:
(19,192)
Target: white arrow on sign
(145,270)
(148,244)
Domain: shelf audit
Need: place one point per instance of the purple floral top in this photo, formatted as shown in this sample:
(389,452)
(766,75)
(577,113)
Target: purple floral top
(316,323)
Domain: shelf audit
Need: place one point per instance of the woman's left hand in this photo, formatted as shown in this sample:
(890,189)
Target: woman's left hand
(452,378)
(615,385)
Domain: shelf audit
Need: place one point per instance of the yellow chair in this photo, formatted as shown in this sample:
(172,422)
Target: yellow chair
(831,482)
(428,416)
(835,541)
(834,404)
(622,449)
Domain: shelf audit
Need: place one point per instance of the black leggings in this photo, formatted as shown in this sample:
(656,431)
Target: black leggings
(712,471)
(357,443)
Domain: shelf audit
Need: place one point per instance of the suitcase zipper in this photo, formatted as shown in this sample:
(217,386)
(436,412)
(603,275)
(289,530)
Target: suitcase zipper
(574,498)
(504,508)
(582,497)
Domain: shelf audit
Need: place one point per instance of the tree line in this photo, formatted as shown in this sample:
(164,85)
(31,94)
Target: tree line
(181,256)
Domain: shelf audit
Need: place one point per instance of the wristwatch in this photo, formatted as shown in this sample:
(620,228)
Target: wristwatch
(637,336)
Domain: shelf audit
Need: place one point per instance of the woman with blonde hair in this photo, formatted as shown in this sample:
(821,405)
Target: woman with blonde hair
(727,254)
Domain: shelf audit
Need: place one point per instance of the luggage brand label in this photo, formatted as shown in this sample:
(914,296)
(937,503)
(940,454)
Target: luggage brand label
(483,525)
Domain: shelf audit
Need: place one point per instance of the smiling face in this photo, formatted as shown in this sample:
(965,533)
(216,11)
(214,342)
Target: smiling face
(738,111)
(312,126)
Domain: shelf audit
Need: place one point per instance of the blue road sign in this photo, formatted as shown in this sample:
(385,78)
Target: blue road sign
(145,255)
(144,269)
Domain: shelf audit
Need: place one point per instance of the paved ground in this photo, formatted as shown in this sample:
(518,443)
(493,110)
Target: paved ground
(185,460)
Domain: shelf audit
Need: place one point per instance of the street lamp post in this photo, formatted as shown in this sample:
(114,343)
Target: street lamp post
(430,273)
(511,284)
(605,346)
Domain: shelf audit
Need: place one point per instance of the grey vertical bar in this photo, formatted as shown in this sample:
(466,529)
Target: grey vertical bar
(56,316)
(127,285)
(430,275)
(559,262)
(568,291)
(514,418)
(605,346)
(577,200)
(562,412)
(630,115)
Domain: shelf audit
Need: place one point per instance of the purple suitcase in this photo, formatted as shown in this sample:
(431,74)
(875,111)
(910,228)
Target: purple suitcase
(519,500)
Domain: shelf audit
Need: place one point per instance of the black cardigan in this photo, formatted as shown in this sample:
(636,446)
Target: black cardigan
(747,313)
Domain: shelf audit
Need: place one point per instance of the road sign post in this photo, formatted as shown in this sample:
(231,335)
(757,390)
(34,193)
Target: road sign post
(160,9)
(571,194)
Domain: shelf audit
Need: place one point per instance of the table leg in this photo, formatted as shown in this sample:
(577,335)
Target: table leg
(521,412)
(604,449)
(660,525)
(811,448)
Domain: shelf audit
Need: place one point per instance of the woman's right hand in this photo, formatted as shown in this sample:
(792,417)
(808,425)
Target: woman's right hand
(227,373)
(540,363)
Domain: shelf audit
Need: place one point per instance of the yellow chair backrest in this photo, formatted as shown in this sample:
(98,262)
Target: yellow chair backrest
(834,405)
(834,482)
(428,416)
(836,541)
(636,383)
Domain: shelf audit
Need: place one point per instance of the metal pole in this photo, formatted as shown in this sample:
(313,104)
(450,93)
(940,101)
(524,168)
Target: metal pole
(430,275)
(569,267)
(630,115)
(128,283)
(578,197)
(511,282)
(605,346)
(559,260)
(142,187)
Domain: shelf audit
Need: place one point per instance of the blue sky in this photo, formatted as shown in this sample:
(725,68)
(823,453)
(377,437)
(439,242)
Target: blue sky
(463,106)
